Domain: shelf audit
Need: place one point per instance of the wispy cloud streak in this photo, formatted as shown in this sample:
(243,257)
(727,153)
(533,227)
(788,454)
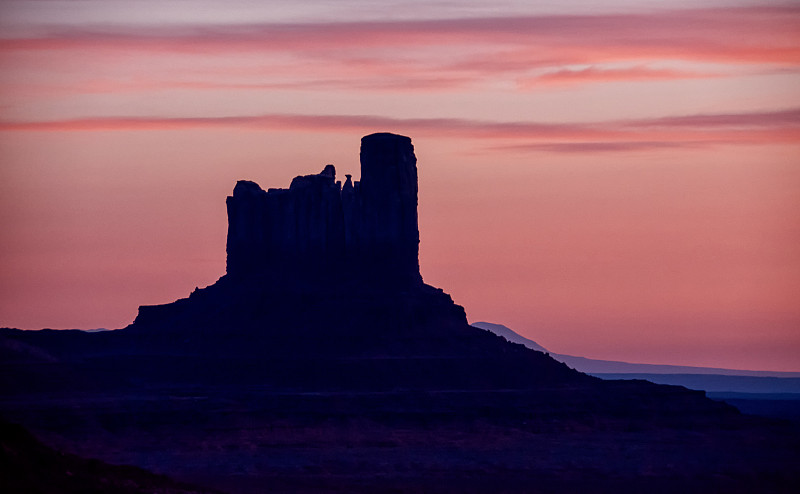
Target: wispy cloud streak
(761,28)
(594,74)
(474,48)
(693,130)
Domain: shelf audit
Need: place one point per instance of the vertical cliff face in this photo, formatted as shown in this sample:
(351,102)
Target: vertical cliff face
(389,228)
(246,235)
(364,229)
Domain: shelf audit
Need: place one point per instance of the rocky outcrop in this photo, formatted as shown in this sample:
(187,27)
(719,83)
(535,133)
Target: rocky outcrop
(365,230)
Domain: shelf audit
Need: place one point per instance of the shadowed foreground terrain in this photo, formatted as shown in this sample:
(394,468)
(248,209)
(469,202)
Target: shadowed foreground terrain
(320,362)
(27,465)
(246,439)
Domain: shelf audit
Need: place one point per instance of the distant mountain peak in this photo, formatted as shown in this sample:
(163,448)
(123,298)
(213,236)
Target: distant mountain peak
(510,335)
(612,367)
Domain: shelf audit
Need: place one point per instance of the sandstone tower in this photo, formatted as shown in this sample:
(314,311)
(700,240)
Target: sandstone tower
(366,230)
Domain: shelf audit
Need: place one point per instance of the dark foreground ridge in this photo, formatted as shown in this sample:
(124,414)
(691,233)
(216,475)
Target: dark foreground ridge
(321,362)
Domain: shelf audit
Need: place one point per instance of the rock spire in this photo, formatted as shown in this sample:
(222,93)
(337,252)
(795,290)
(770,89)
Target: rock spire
(366,230)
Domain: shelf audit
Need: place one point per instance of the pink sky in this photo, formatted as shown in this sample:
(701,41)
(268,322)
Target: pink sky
(617,181)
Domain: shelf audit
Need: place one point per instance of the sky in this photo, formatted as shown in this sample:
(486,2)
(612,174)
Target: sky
(616,180)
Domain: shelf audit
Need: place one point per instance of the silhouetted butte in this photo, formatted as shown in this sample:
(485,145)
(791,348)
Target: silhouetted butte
(321,356)
(323,292)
